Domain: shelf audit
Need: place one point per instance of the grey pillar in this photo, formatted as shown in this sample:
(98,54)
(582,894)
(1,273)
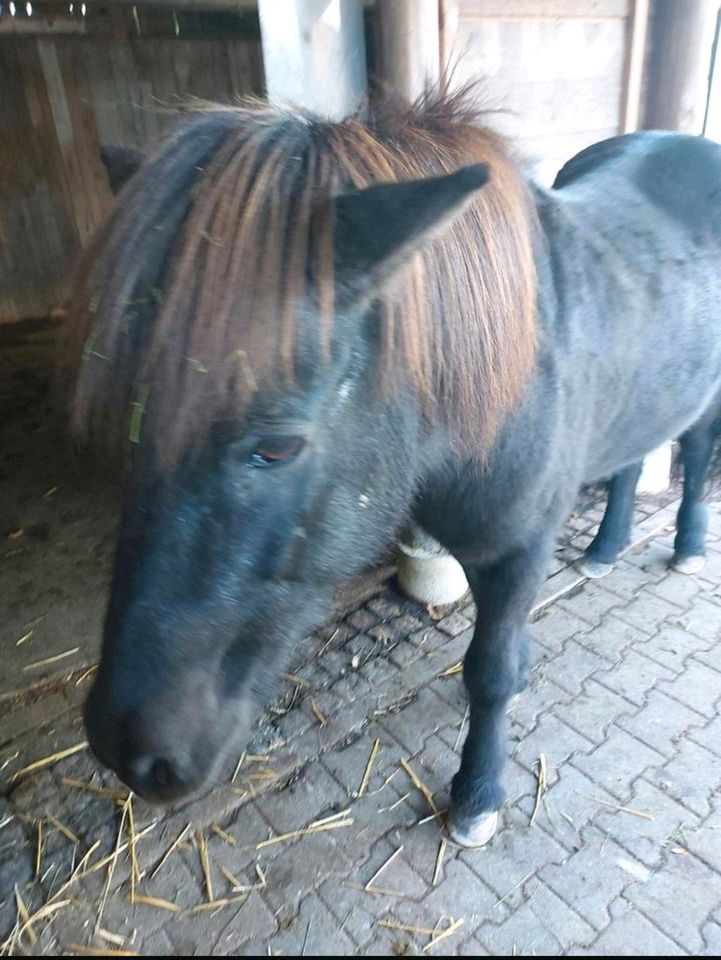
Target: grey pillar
(408,45)
(314,53)
(682,33)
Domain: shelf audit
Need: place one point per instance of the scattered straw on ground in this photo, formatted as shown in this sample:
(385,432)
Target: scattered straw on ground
(224,835)
(439,861)
(49,760)
(436,934)
(622,809)
(334,822)
(374,891)
(62,829)
(379,871)
(452,670)
(541,785)
(145,900)
(425,792)
(48,660)
(173,846)
(80,950)
(368,768)
(205,864)
(105,793)
(112,863)
(452,927)
(317,713)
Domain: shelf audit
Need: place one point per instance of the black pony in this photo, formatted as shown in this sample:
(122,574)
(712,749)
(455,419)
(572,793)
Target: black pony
(311,330)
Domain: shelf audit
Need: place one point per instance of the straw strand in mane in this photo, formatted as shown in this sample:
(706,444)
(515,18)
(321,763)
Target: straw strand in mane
(196,292)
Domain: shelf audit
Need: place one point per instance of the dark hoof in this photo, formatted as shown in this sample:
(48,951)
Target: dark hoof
(594,569)
(473,831)
(688,565)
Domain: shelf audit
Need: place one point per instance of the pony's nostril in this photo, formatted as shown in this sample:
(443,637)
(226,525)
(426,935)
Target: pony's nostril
(164,774)
(156,777)
(141,767)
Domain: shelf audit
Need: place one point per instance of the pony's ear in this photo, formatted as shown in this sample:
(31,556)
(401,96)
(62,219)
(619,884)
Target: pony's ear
(121,163)
(377,230)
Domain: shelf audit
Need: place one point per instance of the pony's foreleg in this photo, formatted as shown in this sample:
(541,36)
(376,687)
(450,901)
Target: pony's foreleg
(614,534)
(493,670)
(690,543)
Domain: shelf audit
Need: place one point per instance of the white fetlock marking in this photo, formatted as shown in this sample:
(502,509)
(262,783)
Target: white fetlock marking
(476,834)
(689,565)
(593,569)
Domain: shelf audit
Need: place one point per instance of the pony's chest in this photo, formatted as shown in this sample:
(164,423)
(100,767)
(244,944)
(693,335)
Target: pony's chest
(481,519)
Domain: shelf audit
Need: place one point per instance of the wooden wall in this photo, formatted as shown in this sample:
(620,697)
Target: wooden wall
(552,71)
(114,77)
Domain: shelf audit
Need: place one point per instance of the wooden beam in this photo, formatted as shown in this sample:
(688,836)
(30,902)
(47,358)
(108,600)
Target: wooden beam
(32,26)
(448,16)
(408,45)
(240,5)
(712,115)
(682,36)
(633,70)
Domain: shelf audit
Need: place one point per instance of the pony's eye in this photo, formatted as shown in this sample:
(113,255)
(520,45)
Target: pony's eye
(275,450)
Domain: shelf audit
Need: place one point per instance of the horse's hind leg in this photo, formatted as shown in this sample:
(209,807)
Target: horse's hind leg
(614,534)
(494,669)
(690,544)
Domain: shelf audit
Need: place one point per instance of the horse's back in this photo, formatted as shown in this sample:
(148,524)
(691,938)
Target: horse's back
(634,226)
(677,173)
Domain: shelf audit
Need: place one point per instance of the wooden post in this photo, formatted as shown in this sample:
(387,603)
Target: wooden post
(408,45)
(712,118)
(682,36)
(448,16)
(633,71)
(314,53)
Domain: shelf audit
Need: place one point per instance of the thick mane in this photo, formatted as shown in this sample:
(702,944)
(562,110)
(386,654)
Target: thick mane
(192,297)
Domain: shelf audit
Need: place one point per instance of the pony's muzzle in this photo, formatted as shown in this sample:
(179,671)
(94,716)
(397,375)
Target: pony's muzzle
(158,778)
(163,748)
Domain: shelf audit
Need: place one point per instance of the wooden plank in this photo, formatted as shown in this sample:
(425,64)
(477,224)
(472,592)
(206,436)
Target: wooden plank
(88,190)
(448,16)
(38,226)
(47,53)
(545,9)
(188,4)
(31,26)
(61,97)
(541,71)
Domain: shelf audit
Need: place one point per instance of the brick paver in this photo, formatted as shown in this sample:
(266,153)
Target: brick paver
(623,857)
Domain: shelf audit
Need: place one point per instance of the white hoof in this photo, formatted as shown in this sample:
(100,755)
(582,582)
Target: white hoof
(594,569)
(688,565)
(473,833)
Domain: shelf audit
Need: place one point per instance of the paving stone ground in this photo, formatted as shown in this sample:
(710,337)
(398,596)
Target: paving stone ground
(623,856)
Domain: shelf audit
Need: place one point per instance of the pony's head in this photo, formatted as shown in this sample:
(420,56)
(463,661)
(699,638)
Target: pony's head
(287,320)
